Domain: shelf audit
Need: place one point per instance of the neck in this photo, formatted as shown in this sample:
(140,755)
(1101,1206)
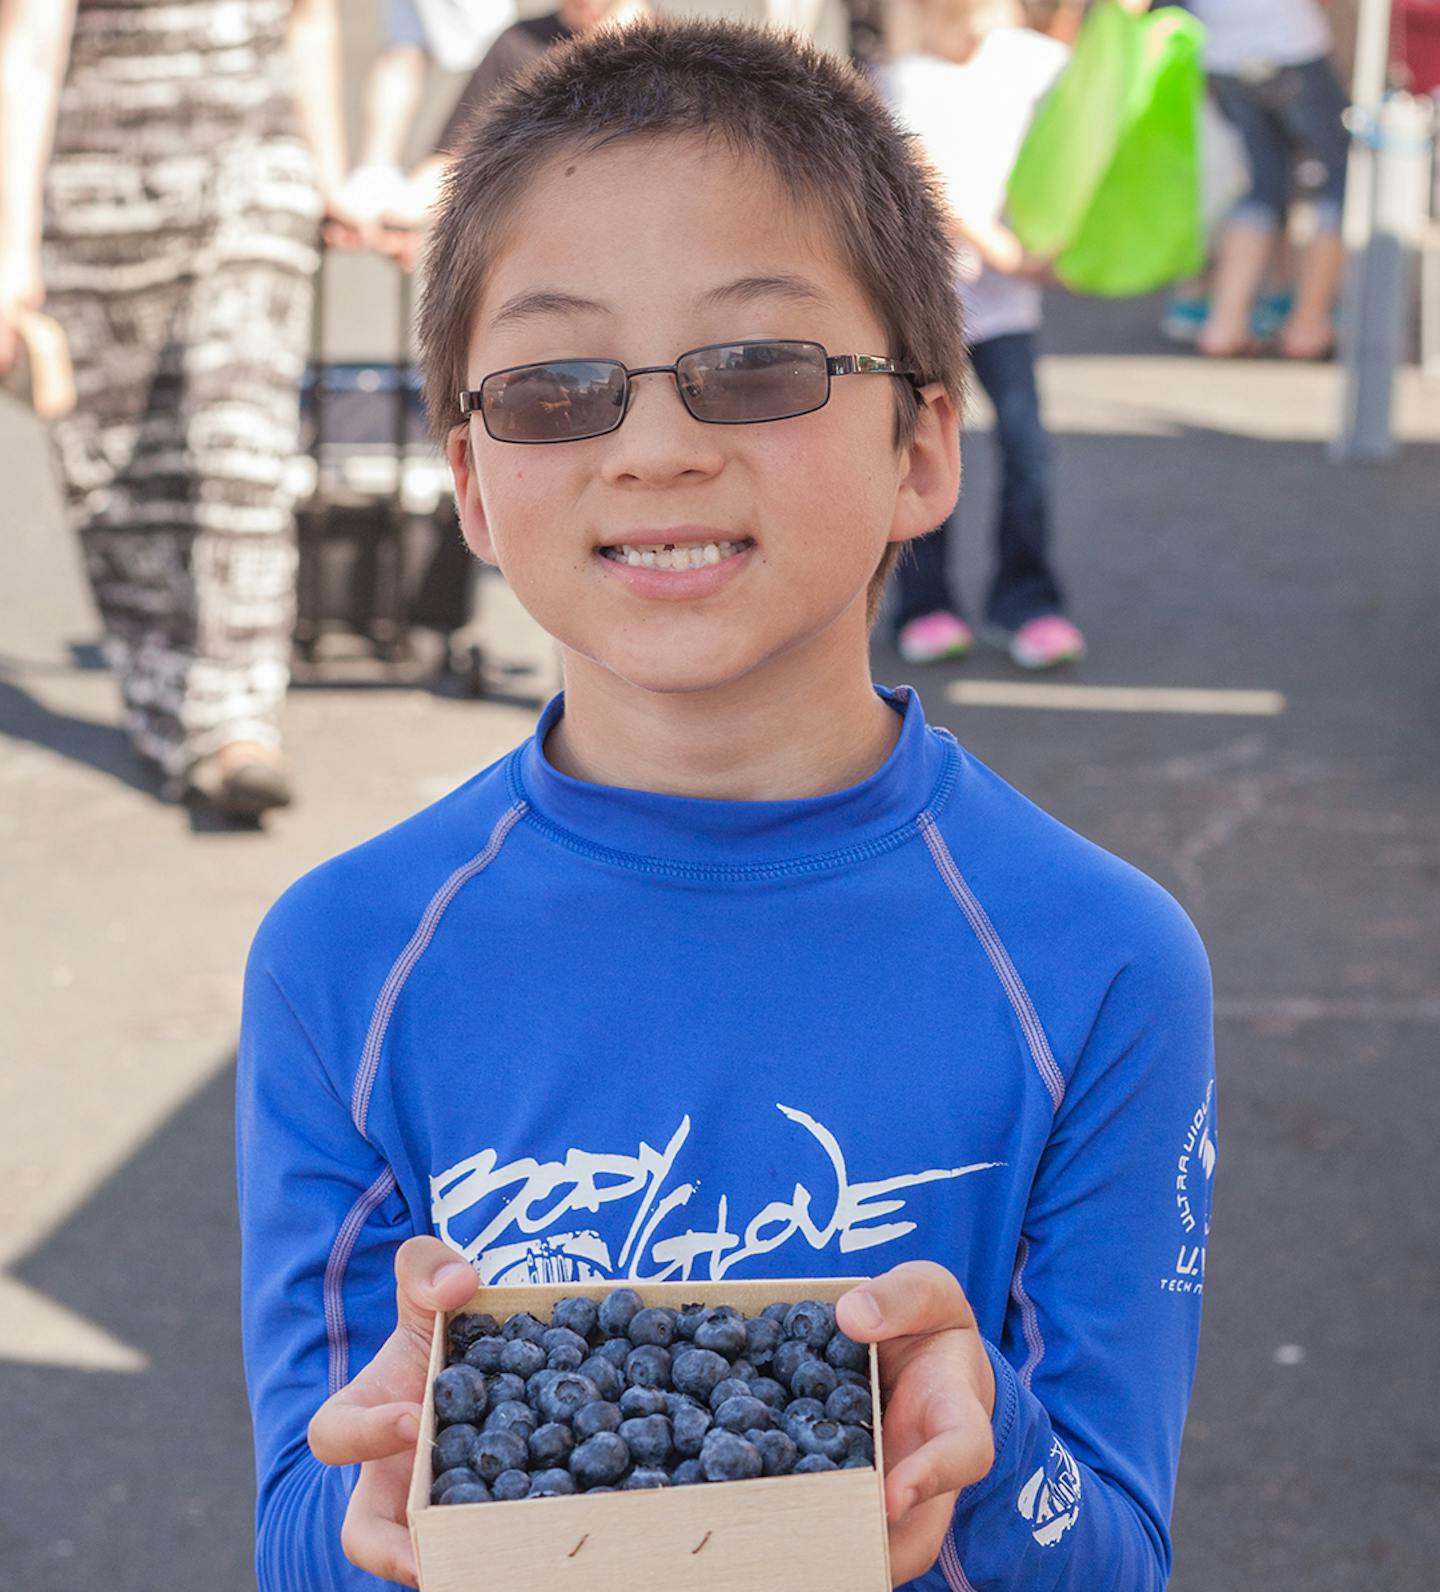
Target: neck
(800,726)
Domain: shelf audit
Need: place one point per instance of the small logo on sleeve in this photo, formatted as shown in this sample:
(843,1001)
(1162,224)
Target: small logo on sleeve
(1050,1500)
(1193,1172)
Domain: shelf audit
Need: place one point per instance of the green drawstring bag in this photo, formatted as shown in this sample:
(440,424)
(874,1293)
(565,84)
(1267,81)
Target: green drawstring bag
(1108,179)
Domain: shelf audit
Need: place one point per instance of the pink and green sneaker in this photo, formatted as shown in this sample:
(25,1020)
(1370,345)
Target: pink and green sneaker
(934,637)
(1046,642)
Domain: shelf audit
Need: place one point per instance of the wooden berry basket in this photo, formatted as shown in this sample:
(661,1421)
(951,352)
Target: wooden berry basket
(770,1534)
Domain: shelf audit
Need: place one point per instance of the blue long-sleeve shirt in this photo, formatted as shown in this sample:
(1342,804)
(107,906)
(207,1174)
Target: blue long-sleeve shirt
(581,1032)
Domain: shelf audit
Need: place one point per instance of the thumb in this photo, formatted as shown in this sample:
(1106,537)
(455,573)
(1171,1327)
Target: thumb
(429,1277)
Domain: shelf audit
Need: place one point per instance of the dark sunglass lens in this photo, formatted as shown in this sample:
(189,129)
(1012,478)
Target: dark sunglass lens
(736,382)
(560,402)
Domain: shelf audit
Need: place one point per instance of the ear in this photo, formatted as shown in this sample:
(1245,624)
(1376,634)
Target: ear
(930,468)
(474,527)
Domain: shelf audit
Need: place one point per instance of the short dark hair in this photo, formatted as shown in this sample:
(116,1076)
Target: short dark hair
(808,116)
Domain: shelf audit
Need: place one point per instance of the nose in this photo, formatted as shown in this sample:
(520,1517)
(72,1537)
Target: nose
(660,441)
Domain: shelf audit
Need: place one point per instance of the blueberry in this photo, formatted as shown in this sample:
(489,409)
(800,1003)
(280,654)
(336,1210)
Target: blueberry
(524,1325)
(857,1462)
(851,1406)
(763,1336)
(600,1460)
(802,1412)
(788,1358)
(504,1386)
(687,1473)
(674,1402)
(465,1329)
(452,1448)
(688,1429)
(550,1445)
(559,1400)
(510,1485)
(485,1354)
(822,1437)
(769,1391)
(578,1315)
(811,1322)
(598,1416)
(731,1387)
(456,1476)
(563,1337)
(813,1462)
(726,1456)
(467,1493)
(648,1366)
(813,1379)
(723,1311)
(496,1451)
(862,1445)
(617,1351)
(617,1310)
(542,1378)
(654,1325)
(552,1484)
(563,1357)
(725,1334)
(648,1439)
(512,1415)
(776,1312)
(777,1451)
(853,1378)
(460,1395)
(522,1358)
(847,1355)
(698,1371)
(689,1318)
(609,1379)
(742,1413)
(638,1401)
(743,1370)
(643,1476)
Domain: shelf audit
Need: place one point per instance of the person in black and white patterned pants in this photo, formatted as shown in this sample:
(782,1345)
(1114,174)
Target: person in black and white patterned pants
(181,218)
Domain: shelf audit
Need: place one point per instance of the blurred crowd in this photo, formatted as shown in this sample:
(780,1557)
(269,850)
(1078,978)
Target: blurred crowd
(164,190)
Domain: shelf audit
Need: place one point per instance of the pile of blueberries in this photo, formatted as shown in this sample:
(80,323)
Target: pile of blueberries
(615,1396)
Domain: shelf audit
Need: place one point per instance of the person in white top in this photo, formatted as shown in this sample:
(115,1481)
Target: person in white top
(969,96)
(1270,73)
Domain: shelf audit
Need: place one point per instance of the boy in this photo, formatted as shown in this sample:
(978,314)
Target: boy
(735,968)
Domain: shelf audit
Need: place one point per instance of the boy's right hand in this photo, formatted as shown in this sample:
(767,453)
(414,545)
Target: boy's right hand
(375,1420)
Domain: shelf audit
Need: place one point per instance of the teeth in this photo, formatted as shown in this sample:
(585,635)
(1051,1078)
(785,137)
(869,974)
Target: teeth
(659,556)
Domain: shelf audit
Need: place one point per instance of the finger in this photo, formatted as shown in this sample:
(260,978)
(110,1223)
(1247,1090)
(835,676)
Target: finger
(429,1276)
(345,1432)
(374,1543)
(913,1298)
(959,1452)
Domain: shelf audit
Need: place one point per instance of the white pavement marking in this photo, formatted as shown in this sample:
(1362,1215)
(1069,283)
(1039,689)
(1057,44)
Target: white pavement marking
(37,1331)
(1320,1009)
(1111,698)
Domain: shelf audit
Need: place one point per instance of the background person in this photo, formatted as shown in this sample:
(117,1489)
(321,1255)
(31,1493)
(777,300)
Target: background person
(969,94)
(1270,72)
(181,212)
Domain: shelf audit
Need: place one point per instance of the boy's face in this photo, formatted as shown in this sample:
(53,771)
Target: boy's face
(672,247)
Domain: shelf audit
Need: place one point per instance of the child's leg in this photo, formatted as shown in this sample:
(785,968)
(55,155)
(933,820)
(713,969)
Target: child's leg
(1248,241)
(1024,586)
(922,579)
(1313,116)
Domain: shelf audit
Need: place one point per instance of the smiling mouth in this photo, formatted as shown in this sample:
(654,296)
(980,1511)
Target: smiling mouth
(673,555)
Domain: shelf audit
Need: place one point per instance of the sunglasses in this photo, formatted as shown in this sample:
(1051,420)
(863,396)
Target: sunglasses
(723,384)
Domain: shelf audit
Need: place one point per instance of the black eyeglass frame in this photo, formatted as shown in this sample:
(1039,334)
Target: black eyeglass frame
(471,399)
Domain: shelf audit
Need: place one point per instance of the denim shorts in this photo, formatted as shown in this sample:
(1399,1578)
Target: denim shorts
(1289,119)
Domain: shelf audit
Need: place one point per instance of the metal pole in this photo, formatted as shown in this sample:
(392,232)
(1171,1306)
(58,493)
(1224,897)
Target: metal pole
(1385,208)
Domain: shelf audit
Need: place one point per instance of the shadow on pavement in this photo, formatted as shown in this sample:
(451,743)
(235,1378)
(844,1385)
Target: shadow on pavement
(140,1482)
(103,747)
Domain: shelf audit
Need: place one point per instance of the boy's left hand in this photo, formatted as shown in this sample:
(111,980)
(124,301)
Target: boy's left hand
(939,1394)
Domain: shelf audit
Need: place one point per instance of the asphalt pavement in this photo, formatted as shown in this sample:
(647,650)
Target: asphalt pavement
(1209,547)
